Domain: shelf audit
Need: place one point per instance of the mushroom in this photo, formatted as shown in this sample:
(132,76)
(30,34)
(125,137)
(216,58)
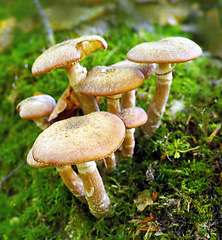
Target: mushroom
(164,52)
(37,108)
(68,175)
(67,55)
(111,82)
(128,100)
(82,140)
(132,117)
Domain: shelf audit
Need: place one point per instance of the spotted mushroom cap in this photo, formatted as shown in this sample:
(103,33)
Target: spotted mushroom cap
(34,107)
(133,117)
(65,54)
(107,81)
(79,139)
(32,163)
(146,68)
(168,50)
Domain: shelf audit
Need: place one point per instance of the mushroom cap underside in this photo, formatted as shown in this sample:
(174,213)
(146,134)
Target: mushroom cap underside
(79,139)
(167,50)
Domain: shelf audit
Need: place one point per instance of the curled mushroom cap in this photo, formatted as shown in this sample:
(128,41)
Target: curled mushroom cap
(34,107)
(107,81)
(79,139)
(65,54)
(133,117)
(168,50)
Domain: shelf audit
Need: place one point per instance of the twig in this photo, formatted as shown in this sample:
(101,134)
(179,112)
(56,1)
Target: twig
(46,24)
(11,173)
(213,134)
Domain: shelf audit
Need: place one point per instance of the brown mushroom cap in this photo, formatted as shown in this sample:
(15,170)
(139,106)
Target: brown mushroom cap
(34,107)
(146,68)
(168,50)
(107,81)
(65,54)
(79,139)
(133,117)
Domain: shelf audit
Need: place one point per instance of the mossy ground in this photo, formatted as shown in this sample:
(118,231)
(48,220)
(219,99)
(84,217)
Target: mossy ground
(180,164)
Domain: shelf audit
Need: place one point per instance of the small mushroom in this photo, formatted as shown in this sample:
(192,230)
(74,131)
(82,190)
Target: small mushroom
(68,175)
(81,141)
(37,108)
(67,55)
(111,82)
(132,117)
(164,52)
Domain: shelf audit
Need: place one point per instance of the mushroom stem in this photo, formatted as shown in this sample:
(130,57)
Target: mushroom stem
(157,106)
(113,105)
(41,123)
(72,181)
(127,101)
(96,196)
(76,74)
(128,144)
(110,163)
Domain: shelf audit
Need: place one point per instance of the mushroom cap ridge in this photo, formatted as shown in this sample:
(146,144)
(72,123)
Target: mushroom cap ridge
(79,139)
(65,54)
(167,50)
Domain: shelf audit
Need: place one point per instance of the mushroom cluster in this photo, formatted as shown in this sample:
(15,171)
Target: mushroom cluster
(72,137)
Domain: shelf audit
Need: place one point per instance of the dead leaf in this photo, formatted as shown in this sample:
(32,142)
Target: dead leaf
(144,199)
(66,106)
(67,16)
(147,219)
(6,33)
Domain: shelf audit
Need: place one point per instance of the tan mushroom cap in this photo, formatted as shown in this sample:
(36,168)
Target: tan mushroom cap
(168,50)
(146,68)
(32,163)
(34,107)
(79,139)
(133,117)
(65,54)
(107,81)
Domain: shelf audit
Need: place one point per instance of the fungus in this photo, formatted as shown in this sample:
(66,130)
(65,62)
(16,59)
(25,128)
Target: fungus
(128,100)
(67,55)
(164,52)
(132,118)
(37,108)
(82,140)
(111,82)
